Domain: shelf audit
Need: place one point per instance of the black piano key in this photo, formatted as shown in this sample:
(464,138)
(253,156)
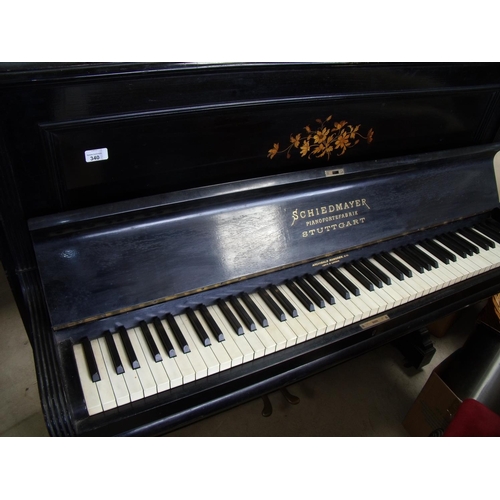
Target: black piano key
(376,271)
(451,245)
(305,301)
(409,259)
(487,231)
(411,250)
(233,320)
(478,239)
(165,340)
(275,308)
(244,316)
(214,327)
(200,331)
(468,244)
(439,251)
(113,352)
(289,307)
(153,348)
(310,292)
(390,267)
(345,281)
(397,264)
(254,309)
(435,251)
(364,281)
(329,298)
(425,257)
(134,362)
(90,359)
(368,274)
(335,284)
(177,334)
(461,243)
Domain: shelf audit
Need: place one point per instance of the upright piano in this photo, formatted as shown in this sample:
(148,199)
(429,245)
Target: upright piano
(183,238)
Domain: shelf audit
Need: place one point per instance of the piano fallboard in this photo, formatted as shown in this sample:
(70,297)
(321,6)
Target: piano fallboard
(179,248)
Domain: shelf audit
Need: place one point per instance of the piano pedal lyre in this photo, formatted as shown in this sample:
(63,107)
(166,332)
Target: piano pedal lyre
(268,407)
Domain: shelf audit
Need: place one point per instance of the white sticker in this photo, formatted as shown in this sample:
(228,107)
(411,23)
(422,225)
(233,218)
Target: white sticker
(96,155)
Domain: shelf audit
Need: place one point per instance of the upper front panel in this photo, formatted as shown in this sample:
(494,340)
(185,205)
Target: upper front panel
(81,136)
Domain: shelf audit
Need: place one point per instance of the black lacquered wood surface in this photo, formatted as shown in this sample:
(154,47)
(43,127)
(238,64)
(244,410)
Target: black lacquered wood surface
(89,272)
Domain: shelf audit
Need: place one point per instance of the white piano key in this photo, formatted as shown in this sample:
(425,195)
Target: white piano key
(469,267)
(243,352)
(106,394)
(194,356)
(337,311)
(157,370)
(130,376)
(280,331)
(415,281)
(261,332)
(404,293)
(365,309)
(181,360)
(492,255)
(196,344)
(494,251)
(324,316)
(217,347)
(375,305)
(254,341)
(299,325)
(169,364)
(314,323)
(347,308)
(144,373)
(90,393)
(117,381)
(228,344)
(434,282)
(446,274)
(308,325)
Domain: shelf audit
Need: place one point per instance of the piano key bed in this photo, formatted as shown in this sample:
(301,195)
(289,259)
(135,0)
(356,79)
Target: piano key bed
(153,357)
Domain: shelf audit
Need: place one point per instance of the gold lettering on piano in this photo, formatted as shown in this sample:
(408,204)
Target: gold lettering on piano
(330,261)
(309,213)
(323,140)
(327,218)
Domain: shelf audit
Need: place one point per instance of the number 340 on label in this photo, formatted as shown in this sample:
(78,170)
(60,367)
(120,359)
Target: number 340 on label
(96,155)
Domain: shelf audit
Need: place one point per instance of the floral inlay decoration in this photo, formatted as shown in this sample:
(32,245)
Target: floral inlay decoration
(326,139)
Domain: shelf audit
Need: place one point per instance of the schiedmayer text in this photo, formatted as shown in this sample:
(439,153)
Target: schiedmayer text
(331,217)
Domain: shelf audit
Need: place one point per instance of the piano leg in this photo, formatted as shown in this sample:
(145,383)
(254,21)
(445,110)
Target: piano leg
(416,347)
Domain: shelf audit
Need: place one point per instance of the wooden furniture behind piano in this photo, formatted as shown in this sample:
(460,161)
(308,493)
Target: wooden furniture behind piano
(183,238)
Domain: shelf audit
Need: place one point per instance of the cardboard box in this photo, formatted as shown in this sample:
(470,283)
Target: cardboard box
(433,409)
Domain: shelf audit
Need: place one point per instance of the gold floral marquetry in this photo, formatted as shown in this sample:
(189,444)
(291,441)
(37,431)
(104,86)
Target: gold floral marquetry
(326,139)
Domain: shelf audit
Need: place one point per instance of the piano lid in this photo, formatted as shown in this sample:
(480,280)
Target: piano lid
(114,259)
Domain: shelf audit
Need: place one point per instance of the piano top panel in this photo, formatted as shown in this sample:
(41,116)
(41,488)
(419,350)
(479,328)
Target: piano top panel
(106,265)
(177,126)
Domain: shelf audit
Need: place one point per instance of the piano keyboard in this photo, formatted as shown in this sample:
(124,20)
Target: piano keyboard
(132,364)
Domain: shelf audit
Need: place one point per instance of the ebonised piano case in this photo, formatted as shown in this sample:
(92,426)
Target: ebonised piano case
(139,194)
